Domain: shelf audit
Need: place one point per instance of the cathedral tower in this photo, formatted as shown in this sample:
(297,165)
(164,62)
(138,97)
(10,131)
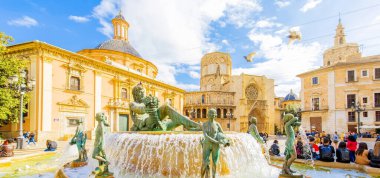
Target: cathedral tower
(120,27)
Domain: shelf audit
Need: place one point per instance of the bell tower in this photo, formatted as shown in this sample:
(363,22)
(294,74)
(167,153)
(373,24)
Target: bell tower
(340,37)
(120,27)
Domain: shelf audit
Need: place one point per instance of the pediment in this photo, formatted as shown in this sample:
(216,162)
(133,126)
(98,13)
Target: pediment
(74,102)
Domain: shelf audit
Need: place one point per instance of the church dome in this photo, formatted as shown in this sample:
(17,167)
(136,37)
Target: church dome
(290,96)
(118,45)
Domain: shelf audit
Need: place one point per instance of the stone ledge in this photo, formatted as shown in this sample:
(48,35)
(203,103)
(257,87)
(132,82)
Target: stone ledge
(363,168)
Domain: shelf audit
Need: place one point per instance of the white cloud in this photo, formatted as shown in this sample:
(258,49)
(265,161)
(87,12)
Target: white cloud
(281,3)
(225,42)
(376,20)
(25,21)
(174,34)
(310,4)
(267,23)
(282,62)
(194,74)
(78,19)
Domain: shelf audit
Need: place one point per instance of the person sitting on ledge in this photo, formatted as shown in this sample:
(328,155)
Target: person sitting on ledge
(327,151)
(361,154)
(274,149)
(6,150)
(51,145)
(374,156)
(342,153)
(314,148)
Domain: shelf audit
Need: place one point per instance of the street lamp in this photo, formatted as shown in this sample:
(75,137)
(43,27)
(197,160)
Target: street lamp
(358,108)
(26,85)
(229,115)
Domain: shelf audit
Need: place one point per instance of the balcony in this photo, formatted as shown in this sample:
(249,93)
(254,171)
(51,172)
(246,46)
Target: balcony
(319,109)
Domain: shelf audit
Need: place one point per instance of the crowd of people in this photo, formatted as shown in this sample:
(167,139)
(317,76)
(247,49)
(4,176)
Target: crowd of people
(342,148)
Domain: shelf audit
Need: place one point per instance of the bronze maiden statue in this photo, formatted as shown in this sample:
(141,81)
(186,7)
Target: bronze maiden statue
(290,122)
(98,153)
(80,140)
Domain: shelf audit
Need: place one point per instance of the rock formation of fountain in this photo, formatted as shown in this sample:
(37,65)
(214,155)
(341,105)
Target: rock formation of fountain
(179,154)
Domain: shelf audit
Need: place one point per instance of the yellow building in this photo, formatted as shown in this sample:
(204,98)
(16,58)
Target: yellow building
(77,85)
(242,95)
(327,93)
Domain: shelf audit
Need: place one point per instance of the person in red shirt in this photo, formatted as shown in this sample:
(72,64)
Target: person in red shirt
(351,146)
(314,148)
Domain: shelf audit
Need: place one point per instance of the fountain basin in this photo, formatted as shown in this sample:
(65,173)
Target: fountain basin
(179,154)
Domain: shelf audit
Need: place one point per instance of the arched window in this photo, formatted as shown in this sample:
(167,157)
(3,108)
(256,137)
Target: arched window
(218,113)
(74,83)
(198,113)
(204,113)
(124,93)
(203,99)
(224,113)
(328,63)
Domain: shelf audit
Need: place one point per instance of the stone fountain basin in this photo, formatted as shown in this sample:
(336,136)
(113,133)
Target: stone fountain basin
(179,154)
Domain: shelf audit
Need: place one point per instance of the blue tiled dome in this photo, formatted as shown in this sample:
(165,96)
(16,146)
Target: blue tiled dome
(290,96)
(119,45)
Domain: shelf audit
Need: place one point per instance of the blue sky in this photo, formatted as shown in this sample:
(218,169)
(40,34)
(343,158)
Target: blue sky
(176,34)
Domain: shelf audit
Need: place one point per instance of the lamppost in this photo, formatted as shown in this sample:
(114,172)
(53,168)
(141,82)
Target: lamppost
(229,115)
(358,108)
(25,85)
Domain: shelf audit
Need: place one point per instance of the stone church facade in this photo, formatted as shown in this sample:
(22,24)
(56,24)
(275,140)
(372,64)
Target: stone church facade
(240,95)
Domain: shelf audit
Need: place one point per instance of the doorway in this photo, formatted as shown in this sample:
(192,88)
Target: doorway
(123,122)
(316,124)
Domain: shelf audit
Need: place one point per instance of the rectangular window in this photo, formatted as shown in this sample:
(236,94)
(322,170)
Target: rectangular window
(377,73)
(377,99)
(364,73)
(74,83)
(377,116)
(315,80)
(73,121)
(315,102)
(365,100)
(351,116)
(351,100)
(350,76)
(365,114)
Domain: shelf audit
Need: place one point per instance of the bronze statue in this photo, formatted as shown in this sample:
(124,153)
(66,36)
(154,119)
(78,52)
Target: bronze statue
(253,130)
(148,116)
(213,138)
(98,152)
(290,122)
(80,140)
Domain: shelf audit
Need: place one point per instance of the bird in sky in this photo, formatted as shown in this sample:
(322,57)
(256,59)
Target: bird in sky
(294,35)
(249,57)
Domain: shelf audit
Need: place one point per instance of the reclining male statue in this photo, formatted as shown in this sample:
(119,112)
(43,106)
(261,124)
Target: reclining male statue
(147,116)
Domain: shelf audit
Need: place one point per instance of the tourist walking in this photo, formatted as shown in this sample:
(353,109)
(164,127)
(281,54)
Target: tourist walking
(31,138)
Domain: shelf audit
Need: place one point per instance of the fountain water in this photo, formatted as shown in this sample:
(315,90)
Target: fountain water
(306,149)
(172,154)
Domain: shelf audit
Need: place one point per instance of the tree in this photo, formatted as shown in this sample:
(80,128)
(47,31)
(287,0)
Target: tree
(9,98)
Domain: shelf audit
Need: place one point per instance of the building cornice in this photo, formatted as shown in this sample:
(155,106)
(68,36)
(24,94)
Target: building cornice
(38,47)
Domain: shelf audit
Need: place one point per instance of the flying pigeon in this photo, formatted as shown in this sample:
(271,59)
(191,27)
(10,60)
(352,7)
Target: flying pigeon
(249,57)
(294,35)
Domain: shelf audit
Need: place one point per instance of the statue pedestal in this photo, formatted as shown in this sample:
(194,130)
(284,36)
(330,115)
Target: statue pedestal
(75,164)
(291,176)
(106,175)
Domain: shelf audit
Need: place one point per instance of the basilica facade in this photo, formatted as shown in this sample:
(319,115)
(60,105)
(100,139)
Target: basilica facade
(235,97)
(73,86)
